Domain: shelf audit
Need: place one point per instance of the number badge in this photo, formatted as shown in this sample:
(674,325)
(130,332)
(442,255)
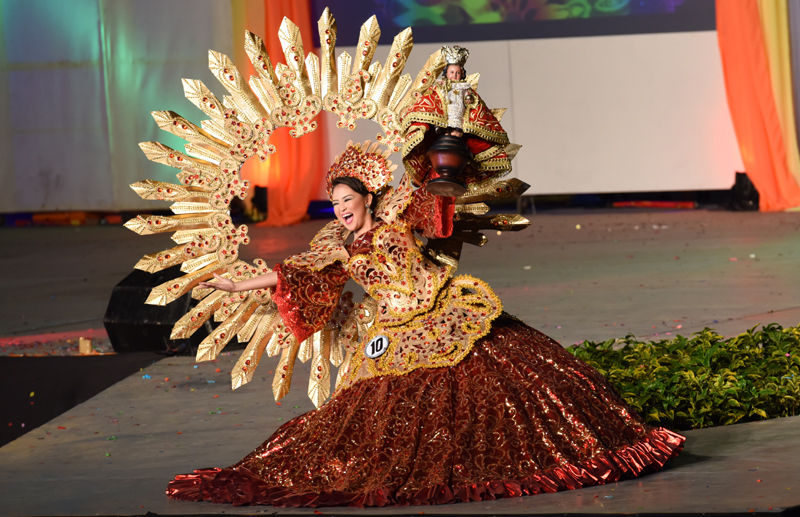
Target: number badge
(376,347)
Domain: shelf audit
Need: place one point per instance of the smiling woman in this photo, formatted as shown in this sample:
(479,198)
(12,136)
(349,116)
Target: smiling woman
(353,204)
(440,395)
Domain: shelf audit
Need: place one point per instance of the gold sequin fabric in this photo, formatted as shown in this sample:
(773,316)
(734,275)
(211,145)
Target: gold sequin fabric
(438,338)
(429,318)
(518,416)
(394,271)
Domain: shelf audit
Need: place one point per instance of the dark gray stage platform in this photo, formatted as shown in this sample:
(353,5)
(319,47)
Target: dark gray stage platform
(114,455)
(654,274)
(574,276)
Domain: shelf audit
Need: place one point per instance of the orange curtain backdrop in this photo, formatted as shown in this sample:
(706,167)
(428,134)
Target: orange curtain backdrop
(292,174)
(775,26)
(752,104)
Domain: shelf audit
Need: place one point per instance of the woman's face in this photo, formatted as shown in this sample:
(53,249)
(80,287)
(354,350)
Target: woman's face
(350,207)
(454,72)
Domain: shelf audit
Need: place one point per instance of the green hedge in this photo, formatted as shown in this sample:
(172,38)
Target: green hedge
(704,380)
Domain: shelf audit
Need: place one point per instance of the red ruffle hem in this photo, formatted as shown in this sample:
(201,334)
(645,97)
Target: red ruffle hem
(519,416)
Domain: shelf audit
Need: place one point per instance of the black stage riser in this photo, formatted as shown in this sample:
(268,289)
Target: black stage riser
(133,326)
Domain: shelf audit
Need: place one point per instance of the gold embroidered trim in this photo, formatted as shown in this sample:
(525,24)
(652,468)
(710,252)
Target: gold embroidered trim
(495,137)
(440,338)
(395,201)
(327,247)
(398,275)
(499,163)
(489,153)
(478,185)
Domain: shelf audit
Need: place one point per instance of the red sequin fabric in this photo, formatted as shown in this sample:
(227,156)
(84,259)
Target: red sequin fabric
(518,416)
(431,215)
(306,298)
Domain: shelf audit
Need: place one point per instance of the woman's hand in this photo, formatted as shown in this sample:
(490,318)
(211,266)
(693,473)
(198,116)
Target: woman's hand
(264,281)
(223,284)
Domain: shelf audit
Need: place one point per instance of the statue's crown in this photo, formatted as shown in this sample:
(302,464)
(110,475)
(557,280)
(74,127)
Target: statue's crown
(455,55)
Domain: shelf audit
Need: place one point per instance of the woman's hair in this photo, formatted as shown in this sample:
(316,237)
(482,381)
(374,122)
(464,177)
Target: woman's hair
(357,187)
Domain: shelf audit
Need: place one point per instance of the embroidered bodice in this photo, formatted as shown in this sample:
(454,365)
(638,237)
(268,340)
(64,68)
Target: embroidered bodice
(396,274)
(426,317)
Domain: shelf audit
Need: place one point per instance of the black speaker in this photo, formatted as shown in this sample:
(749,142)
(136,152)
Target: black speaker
(744,195)
(133,326)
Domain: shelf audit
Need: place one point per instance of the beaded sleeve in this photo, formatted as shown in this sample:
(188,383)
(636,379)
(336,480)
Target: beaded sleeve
(307,298)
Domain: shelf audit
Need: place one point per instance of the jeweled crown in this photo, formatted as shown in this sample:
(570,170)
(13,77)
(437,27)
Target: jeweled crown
(455,55)
(365,162)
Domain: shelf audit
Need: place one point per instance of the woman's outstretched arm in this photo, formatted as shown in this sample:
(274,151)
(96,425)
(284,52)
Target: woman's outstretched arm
(260,282)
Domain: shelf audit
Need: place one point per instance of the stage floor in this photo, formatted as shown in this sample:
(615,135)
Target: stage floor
(648,273)
(114,454)
(574,276)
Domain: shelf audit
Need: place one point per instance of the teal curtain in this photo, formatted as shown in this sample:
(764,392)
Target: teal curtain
(78,80)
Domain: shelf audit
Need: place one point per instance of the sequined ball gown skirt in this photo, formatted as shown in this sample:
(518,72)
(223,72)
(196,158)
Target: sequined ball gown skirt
(518,416)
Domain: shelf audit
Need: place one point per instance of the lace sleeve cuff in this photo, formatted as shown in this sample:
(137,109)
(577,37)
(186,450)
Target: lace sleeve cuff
(306,298)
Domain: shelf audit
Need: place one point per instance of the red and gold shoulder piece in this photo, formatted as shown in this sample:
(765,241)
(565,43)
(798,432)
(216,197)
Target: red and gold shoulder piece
(480,120)
(327,247)
(395,201)
(333,233)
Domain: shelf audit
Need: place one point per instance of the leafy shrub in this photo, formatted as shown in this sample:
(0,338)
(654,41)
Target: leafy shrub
(704,380)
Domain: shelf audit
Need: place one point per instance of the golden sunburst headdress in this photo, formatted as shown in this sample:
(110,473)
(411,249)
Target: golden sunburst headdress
(366,162)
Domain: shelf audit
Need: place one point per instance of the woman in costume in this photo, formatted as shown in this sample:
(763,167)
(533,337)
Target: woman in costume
(440,396)
(445,398)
